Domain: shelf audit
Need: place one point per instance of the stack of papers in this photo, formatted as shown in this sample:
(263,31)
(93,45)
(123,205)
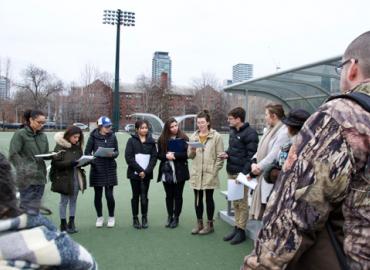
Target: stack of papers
(49,154)
(84,159)
(234,191)
(196,144)
(104,152)
(247,181)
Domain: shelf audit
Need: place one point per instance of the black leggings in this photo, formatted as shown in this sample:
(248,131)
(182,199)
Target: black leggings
(198,194)
(108,196)
(174,198)
(140,190)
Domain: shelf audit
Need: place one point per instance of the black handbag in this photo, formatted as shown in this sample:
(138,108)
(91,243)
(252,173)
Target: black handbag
(167,172)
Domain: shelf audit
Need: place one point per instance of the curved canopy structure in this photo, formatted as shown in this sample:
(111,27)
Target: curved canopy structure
(306,87)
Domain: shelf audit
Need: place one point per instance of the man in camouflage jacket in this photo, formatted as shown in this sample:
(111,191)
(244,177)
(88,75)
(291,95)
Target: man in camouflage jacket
(326,177)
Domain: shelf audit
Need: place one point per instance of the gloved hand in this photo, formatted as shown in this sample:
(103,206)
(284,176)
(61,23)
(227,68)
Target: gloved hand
(74,163)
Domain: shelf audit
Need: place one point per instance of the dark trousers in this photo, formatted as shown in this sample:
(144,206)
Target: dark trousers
(174,198)
(198,194)
(140,190)
(31,197)
(108,196)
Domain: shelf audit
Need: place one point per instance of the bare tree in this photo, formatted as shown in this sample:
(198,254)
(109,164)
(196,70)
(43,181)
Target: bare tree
(38,86)
(206,79)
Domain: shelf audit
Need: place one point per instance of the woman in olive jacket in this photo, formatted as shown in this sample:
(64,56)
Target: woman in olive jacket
(141,157)
(66,178)
(173,169)
(103,171)
(25,144)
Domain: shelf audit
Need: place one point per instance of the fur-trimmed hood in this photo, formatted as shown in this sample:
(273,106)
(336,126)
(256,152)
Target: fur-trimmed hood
(58,137)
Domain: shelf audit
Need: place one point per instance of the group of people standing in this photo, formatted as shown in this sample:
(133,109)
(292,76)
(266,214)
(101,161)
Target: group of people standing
(172,150)
(29,146)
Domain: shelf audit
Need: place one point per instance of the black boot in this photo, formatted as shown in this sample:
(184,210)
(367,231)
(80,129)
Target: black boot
(231,235)
(144,222)
(136,223)
(71,225)
(239,237)
(63,225)
(169,221)
(174,223)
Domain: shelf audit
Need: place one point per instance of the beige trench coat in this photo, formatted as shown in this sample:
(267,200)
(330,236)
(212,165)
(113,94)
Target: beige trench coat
(205,163)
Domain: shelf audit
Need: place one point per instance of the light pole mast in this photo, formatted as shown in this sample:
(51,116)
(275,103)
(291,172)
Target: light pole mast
(125,18)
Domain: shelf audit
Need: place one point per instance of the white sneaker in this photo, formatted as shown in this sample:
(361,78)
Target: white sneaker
(111,222)
(99,222)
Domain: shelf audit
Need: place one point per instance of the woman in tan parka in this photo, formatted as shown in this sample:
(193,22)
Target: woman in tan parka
(204,170)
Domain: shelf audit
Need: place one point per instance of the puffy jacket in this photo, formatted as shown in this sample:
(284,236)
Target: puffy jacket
(243,145)
(206,163)
(103,171)
(61,172)
(135,146)
(24,145)
(180,163)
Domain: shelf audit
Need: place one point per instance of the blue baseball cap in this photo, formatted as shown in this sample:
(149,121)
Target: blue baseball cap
(104,121)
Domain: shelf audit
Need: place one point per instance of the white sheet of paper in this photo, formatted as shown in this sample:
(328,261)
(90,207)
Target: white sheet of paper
(142,160)
(234,191)
(84,159)
(196,144)
(49,154)
(252,183)
(104,152)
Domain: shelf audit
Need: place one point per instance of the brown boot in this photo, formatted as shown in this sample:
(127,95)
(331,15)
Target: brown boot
(198,227)
(207,229)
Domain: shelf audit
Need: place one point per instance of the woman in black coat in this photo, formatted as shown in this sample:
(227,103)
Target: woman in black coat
(103,172)
(66,178)
(141,157)
(173,169)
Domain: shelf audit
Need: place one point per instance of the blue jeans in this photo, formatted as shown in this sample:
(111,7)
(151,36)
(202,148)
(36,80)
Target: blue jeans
(31,198)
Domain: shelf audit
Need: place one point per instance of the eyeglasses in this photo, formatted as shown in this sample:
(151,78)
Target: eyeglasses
(107,126)
(338,69)
(40,122)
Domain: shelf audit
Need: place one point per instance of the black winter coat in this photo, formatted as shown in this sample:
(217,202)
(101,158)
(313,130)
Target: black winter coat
(61,171)
(135,146)
(181,164)
(243,145)
(103,171)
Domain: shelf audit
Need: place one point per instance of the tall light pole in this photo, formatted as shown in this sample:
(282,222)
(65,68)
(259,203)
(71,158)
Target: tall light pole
(125,18)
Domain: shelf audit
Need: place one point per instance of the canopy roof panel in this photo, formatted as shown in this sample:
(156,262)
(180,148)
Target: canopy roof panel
(307,86)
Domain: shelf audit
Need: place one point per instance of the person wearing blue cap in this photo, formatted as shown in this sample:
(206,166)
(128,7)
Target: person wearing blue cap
(103,172)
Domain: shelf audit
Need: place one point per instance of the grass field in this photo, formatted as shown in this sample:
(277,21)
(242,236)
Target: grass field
(124,247)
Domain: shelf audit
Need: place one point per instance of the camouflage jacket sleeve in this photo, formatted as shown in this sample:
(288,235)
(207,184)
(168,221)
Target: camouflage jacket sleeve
(318,173)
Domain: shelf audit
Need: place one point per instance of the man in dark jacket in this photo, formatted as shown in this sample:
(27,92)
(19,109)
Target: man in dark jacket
(243,142)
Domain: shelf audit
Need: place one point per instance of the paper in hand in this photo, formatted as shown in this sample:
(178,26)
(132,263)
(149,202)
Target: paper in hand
(104,152)
(196,144)
(84,159)
(242,178)
(234,191)
(49,154)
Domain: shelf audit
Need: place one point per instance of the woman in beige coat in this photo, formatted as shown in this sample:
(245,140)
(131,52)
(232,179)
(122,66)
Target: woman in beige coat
(204,170)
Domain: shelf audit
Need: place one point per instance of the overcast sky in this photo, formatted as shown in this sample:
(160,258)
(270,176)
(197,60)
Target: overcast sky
(200,35)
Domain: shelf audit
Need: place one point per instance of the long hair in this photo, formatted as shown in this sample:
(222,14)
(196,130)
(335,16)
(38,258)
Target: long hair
(166,134)
(72,131)
(8,200)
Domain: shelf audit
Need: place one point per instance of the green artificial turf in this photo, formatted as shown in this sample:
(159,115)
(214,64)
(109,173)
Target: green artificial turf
(157,247)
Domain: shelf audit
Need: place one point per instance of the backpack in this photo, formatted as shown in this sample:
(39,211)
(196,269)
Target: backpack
(360,98)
